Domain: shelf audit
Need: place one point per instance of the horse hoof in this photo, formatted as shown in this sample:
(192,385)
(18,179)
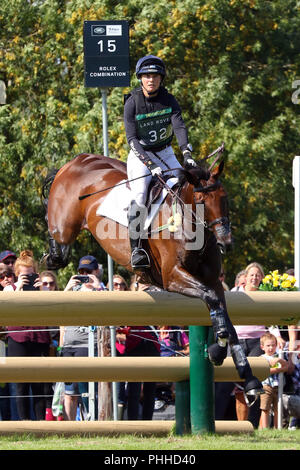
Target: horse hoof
(217,354)
(52,264)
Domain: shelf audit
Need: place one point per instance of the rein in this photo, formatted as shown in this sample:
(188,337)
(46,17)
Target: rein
(178,198)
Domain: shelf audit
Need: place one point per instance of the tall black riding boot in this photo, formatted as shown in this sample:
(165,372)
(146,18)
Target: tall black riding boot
(139,257)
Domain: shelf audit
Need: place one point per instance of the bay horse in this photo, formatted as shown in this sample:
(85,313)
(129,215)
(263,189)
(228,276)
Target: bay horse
(178,264)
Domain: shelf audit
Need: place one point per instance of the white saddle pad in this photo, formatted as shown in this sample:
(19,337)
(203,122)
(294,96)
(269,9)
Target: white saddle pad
(116,203)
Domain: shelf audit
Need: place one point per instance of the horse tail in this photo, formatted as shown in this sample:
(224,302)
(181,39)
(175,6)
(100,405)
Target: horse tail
(47,186)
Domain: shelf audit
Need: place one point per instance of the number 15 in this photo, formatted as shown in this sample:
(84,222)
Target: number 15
(111,45)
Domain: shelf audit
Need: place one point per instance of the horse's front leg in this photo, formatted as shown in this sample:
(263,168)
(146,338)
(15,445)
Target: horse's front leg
(58,255)
(180,280)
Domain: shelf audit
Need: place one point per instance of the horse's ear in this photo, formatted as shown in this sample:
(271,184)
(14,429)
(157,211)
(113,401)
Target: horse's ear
(218,170)
(195,175)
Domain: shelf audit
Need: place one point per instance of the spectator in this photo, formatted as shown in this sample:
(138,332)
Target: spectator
(269,399)
(142,342)
(7,276)
(74,343)
(74,340)
(119,284)
(88,266)
(249,338)
(49,283)
(240,281)
(8,257)
(291,332)
(25,267)
(295,420)
(173,341)
(26,341)
(249,335)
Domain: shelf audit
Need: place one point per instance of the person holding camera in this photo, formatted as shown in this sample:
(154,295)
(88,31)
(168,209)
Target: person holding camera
(26,273)
(23,341)
(89,276)
(74,339)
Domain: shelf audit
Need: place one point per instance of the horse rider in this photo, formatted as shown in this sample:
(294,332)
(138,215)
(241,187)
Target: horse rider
(151,117)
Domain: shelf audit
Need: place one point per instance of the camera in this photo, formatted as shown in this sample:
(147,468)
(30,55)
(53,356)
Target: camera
(31,278)
(83,279)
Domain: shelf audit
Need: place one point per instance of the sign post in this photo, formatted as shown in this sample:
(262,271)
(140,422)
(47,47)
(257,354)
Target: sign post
(106,64)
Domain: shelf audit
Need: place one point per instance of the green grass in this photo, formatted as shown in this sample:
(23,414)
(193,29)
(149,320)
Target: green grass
(258,440)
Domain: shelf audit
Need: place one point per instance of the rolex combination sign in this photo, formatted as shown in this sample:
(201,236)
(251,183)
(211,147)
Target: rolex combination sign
(106,54)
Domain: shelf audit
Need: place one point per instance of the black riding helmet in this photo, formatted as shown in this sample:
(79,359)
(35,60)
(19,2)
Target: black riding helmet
(150,64)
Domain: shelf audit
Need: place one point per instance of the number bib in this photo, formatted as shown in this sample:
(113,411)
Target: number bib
(155,129)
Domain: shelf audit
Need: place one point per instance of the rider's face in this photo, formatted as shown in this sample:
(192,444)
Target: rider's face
(151,82)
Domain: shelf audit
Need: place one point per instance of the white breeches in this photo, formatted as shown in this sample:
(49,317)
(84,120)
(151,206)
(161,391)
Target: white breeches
(136,168)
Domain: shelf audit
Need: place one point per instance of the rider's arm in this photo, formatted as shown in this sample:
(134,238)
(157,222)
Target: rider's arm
(181,134)
(178,125)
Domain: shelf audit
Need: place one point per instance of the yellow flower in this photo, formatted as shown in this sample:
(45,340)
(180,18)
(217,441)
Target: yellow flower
(275,283)
(286,284)
(275,273)
(267,279)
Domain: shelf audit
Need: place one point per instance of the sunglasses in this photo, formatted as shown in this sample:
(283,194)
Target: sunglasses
(4,275)
(119,284)
(9,261)
(85,271)
(51,283)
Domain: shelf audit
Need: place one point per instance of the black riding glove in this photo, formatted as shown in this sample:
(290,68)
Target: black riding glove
(187,157)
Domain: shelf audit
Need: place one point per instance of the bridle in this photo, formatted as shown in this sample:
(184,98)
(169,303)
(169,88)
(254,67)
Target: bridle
(222,221)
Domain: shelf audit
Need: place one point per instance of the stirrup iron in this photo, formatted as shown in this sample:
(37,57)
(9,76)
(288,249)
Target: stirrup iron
(144,261)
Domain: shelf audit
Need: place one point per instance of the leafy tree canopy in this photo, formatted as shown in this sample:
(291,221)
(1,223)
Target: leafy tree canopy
(230,64)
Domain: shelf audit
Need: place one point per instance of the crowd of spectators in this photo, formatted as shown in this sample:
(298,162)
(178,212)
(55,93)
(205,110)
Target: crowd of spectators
(136,400)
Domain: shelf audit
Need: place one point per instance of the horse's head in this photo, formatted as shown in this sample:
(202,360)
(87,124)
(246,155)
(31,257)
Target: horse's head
(212,194)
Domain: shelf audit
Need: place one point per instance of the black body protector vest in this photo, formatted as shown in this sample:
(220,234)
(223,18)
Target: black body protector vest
(154,129)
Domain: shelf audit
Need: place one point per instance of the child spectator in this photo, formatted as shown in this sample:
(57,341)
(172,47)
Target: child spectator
(173,341)
(295,420)
(268,344)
